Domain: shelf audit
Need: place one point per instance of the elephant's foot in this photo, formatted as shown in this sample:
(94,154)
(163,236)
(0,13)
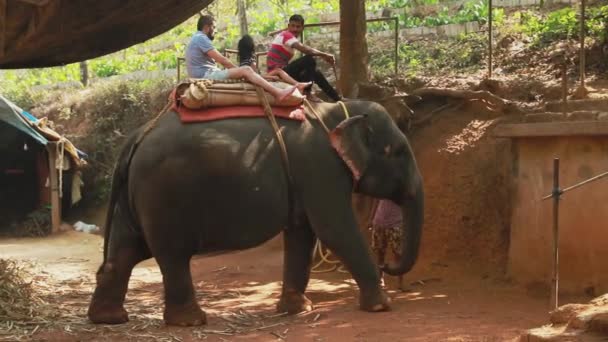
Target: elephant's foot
(293,303)
(106,313)
(184,315)
(379,301)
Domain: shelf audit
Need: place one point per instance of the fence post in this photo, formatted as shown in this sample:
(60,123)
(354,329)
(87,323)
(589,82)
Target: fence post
(396,45)
(581,92)
(51,148)
(556,194)
(489,38)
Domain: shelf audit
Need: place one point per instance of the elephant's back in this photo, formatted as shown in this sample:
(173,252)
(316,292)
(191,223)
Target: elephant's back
(222,173)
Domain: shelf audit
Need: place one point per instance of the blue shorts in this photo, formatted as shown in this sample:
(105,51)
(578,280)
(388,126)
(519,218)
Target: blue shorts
(217,75)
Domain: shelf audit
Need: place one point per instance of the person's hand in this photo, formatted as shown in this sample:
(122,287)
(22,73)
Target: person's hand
(329,58)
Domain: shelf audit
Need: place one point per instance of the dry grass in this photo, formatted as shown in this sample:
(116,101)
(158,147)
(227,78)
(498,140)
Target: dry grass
(33,304)
(22,309)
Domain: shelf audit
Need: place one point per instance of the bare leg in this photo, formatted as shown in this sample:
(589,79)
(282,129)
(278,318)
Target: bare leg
(285,77)
(251,76)
(379,247)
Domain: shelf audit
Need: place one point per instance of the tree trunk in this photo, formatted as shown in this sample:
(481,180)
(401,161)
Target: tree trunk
(84,73)
(240,8)
(353,46)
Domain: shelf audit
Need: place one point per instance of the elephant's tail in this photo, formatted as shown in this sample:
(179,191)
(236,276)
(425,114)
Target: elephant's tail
(120,178)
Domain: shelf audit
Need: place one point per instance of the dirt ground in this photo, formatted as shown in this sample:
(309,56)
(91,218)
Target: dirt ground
(238,292)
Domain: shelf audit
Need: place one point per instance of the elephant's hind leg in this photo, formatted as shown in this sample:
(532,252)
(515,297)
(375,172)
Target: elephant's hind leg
(181,307)
(299,243)
(113,279)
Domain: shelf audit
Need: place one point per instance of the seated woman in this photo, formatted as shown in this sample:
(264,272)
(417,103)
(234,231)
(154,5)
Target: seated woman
(246,48)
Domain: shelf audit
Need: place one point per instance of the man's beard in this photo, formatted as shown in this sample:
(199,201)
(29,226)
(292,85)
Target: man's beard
(211,36)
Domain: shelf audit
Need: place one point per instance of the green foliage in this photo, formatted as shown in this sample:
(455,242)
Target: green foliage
(561,24)
(462,53)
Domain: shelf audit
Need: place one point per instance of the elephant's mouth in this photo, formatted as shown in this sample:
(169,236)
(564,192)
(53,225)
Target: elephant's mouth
(412,211)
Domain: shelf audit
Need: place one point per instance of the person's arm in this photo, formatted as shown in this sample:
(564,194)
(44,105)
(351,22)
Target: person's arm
(329,58)
(218,58)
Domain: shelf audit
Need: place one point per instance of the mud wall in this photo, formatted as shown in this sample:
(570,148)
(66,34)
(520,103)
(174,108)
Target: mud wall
(583,218)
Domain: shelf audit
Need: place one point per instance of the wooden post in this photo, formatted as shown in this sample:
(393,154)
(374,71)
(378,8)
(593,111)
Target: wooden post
(3,10)
(51,148)
(489,38)
(396,45)
(581,91)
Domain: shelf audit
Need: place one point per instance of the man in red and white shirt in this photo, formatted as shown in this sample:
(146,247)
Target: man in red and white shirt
(303,69)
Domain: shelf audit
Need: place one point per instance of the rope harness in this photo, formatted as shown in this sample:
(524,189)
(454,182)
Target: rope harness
(284,156)
(324,257)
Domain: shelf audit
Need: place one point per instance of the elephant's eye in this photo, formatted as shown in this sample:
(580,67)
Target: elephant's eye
(387,150)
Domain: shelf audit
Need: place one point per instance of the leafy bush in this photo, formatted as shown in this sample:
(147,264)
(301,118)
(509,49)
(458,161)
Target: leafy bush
(562,24)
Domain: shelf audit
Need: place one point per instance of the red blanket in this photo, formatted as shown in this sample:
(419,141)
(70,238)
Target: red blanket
(219,113)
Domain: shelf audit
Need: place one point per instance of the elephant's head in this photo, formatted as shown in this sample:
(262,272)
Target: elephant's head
(383,165)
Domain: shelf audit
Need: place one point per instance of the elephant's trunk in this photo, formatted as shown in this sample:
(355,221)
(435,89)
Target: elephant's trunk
(412,209)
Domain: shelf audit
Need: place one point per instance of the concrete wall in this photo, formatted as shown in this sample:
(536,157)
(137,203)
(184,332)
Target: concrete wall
(583,219)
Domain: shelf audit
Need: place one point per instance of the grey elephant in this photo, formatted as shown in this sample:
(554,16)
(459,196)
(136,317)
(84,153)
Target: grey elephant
(202,188)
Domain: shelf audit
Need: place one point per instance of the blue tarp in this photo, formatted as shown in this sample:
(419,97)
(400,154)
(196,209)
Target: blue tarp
(13,115)
(18,118)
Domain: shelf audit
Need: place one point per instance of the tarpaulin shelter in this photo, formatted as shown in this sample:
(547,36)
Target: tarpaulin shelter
(42,33)
(38,166)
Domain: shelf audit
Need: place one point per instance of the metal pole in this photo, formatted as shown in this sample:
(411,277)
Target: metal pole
(396,45)
(556,194)
(582,48)
(490,38)
(564,87)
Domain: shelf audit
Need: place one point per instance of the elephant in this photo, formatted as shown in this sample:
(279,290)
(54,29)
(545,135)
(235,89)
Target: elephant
(219,186)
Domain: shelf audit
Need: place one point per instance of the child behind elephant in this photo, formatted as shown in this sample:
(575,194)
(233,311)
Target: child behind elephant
(386,222)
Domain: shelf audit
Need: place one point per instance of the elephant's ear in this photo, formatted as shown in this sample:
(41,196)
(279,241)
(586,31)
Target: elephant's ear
(350,140)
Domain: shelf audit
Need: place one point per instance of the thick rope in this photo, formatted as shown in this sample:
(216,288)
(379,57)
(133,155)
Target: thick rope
(316,114)
(324,257)
(284,156)
(152,123)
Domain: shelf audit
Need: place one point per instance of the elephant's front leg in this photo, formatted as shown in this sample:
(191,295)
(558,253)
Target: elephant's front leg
(338,230)
(299,242)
